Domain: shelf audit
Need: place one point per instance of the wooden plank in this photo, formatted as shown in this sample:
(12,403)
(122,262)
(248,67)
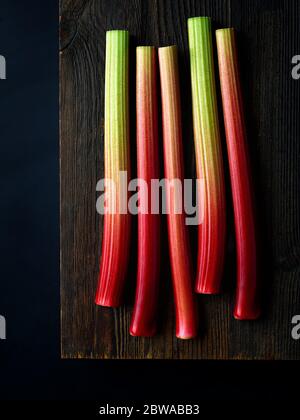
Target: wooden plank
(268,38)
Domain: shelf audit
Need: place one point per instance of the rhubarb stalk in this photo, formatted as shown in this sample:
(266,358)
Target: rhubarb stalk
(186,317)
(143,321)
(246,306)
(116,233)
(208,157)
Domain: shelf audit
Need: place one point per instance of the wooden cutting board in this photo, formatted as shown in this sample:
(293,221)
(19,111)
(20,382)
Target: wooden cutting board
(268,37)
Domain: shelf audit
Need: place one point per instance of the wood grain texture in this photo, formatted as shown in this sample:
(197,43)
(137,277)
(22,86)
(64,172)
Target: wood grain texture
(268,37)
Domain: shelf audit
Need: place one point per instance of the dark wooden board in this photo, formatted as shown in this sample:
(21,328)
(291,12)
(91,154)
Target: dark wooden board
(268,37)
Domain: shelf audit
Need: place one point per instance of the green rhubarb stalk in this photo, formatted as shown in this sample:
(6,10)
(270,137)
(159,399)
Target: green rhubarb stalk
(208,157)
(115,249)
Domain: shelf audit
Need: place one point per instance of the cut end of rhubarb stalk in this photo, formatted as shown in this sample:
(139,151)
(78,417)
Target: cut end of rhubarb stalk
(199,19)
(108,303)
(136,331)
(247,316)
(186,335)
(205,290)
(197,25)
(167,48)
(225,32)
(209,161)
(247,312)
(117,33)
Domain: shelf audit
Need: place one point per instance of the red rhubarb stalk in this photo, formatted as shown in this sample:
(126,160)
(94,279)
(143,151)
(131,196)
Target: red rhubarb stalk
(209,160)
(115,249)
(186,316)
(246,306)
(143,322)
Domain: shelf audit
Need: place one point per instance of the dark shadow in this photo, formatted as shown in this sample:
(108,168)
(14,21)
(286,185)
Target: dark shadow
(165,290)
(190,164)
(229,276)
(130,286)
(252,127)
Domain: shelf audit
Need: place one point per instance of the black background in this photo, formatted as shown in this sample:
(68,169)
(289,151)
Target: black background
(30,365)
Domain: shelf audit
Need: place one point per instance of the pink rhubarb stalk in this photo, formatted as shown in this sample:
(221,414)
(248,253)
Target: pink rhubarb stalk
(246,306)
(209,160)
(115,243)
(143,321)
(182,273)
